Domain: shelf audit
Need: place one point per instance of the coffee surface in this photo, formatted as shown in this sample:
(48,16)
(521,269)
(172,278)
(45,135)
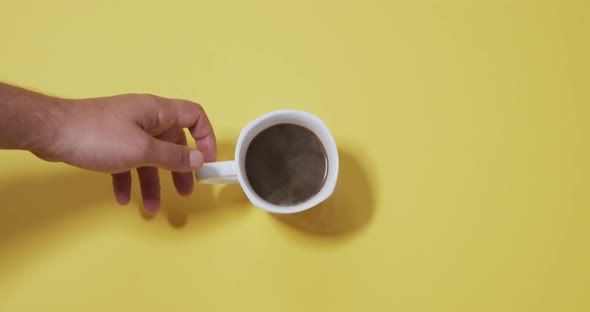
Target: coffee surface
(286,164)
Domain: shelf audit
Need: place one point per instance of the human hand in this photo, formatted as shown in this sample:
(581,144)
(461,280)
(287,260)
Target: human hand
(119,133)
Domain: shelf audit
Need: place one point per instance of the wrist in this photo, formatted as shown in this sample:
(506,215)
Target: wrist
(42,130)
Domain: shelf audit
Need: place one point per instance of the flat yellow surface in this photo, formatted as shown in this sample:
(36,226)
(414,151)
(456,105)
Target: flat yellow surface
(464,129)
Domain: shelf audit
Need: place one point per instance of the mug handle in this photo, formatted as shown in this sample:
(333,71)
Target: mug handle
(222,172)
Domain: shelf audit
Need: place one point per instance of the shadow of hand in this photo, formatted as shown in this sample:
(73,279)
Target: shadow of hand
(202,201)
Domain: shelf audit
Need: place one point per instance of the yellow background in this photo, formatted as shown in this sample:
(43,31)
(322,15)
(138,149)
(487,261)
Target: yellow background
(464,136)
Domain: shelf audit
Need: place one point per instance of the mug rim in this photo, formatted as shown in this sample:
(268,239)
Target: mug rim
(331,154)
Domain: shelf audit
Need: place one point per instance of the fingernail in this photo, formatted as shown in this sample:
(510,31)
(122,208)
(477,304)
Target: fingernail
(151,207)
(196,159)
(122,198)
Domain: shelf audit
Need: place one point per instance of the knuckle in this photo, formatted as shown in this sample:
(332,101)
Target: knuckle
(192,107)
(147,97)
(199,110)
(198,106)
(178,155)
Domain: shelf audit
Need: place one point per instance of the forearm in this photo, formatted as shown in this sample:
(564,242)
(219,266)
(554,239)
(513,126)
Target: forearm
(28,120)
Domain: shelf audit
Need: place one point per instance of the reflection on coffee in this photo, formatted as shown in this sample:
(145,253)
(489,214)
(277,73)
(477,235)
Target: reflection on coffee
(286,164)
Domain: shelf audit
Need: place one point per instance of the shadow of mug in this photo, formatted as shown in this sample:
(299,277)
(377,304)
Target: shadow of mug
(349,209)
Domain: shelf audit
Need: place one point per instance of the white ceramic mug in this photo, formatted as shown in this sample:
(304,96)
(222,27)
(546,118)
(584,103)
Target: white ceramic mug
(234,171)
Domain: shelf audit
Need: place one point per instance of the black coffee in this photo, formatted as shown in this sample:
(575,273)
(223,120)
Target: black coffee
(286,164)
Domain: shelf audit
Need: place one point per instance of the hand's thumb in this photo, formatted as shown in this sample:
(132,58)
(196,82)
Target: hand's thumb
(174,157)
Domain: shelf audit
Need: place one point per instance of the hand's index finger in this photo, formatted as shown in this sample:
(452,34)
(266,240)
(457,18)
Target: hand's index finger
(192,116)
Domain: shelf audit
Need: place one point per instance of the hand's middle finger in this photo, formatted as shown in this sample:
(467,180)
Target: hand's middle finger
(149,182)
